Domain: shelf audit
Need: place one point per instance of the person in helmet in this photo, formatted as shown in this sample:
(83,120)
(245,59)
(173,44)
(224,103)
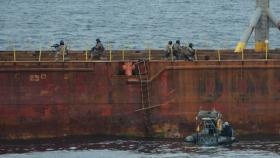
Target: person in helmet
(168,49)
(177,49)
(190,52)
(227,130)
(61,50)
(98,50)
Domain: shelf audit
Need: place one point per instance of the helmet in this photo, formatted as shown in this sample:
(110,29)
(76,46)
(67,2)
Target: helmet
(190,45)
(226,123)
(169,42)
(98,40)
(178,41)
(61,42)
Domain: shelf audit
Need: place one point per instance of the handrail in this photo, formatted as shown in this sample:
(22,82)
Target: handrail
(149,54)
(40,53)
(266,49)
(172,58)
(219,55)
(110,52)
(242,55)
(86,55)
(15,58)
(120,55)
(205,67)
(46,69)
(63,53)
(123,54)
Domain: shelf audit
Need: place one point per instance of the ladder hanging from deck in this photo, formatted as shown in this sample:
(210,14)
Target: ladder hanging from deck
(143,75)
(144,84)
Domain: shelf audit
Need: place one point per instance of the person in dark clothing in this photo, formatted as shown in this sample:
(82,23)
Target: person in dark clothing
(227,130)
(98,50)
(177,50)
(212,127)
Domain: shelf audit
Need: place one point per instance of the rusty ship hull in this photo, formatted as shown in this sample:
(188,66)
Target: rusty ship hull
(46,99)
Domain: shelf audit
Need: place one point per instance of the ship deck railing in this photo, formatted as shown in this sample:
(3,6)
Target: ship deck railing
(132,55)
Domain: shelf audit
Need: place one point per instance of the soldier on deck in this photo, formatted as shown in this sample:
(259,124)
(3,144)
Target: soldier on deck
(190,52)
(168,50)
(61,49)
(97,51)
(177,50)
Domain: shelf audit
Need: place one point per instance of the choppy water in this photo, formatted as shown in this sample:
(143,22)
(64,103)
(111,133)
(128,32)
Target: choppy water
(138,149)
(136,24)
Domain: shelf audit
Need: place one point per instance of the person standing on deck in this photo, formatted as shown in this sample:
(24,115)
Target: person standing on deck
(61,50)
(177,49)
(98,50)
(168,50)
(190,53)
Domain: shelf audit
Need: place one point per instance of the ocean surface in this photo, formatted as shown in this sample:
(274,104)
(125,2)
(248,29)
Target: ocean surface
(139,149)
(129,24)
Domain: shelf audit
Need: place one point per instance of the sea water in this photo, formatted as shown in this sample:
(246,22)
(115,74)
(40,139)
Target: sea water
(138,149)
(127,24)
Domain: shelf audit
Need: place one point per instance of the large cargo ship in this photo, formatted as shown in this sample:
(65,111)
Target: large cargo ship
(43,98)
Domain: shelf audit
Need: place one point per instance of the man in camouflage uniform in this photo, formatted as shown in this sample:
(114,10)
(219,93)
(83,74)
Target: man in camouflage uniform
(177,50)
(61,50)
(168,50)
(97,51)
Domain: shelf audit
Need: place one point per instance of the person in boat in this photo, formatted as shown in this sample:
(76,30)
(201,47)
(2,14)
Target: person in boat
(177,49)
(190,52)
(98,50)
(212,128)
(227,130)
(61,49)
(168,50)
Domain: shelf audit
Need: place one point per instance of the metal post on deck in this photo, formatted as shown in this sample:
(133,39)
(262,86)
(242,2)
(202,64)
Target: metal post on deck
(110,52)
(123,54)
(242,55)
(15,58)
(86,54)
(87,47)
(219,55)
(195,55)
(266,49)
(40,52)
(172,54)
(63,53)
(149,54)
